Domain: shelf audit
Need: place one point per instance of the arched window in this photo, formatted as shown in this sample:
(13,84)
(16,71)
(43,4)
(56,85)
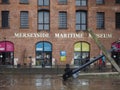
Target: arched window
(43,20)
(6,53)
(81,53)
(44,53)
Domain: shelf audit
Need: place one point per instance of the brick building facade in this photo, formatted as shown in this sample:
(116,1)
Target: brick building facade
(56,30)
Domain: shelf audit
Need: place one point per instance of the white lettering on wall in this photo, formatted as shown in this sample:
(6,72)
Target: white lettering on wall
(68,35)
(31,35)
(103,35)
(59,35)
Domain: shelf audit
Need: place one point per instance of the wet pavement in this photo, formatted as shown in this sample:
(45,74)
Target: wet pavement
(54,82)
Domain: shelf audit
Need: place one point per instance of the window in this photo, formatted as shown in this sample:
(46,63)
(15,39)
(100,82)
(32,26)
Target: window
(24,1)
(100,20)
(43,2)
(7,52)
(43,20)
(99,1)
(24,22)
(118,1)
(81,20)
(62,1)
(118,20)
(5,1)
(62,20)
(81,53)
(43,53)
(81,2)
(5,19)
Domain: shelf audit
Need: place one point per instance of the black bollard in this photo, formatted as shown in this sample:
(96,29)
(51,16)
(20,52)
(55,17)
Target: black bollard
(68,72)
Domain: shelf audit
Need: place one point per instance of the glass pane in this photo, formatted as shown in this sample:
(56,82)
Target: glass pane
(77,3)
(40,17)
(47,46)
(77,17)
(62,1)
(85,46)
(85,55)
(83,15)
(40,2)
(5,1)
(100,20)
(48,58)
(39,47)
(77,47)
(99,1)
(83,27)
(81,20)
(39,55)
(40,27)
(5,18)
(117,20)
(77,27)
(46,2)
(117,1)
(83,2)
(24,1)
(77,55)
(46,27)
(46,17)
(62,20)
(43,2)
(24,19)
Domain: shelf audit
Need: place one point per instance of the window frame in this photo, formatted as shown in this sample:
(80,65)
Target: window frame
(117,2)
(5,19)
(80,3)
(100,20)
(81,23)
(5,2)
(43,53)
(44,3)
(117,20)
(44,23)
(80,52)
(22,2)
(100,2)
(62,2)
(22,18)
(62,21)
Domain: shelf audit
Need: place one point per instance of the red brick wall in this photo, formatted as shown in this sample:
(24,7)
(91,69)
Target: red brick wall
(58,44)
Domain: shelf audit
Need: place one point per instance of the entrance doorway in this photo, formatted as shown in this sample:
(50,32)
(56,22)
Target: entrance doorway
(44,54)
(81,53)
(6,53)
(116,53)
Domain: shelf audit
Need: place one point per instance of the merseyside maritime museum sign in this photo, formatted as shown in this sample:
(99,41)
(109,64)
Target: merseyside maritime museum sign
(59,35)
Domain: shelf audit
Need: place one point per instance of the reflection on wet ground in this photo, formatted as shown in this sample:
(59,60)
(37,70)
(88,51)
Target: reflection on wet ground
(53,82)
